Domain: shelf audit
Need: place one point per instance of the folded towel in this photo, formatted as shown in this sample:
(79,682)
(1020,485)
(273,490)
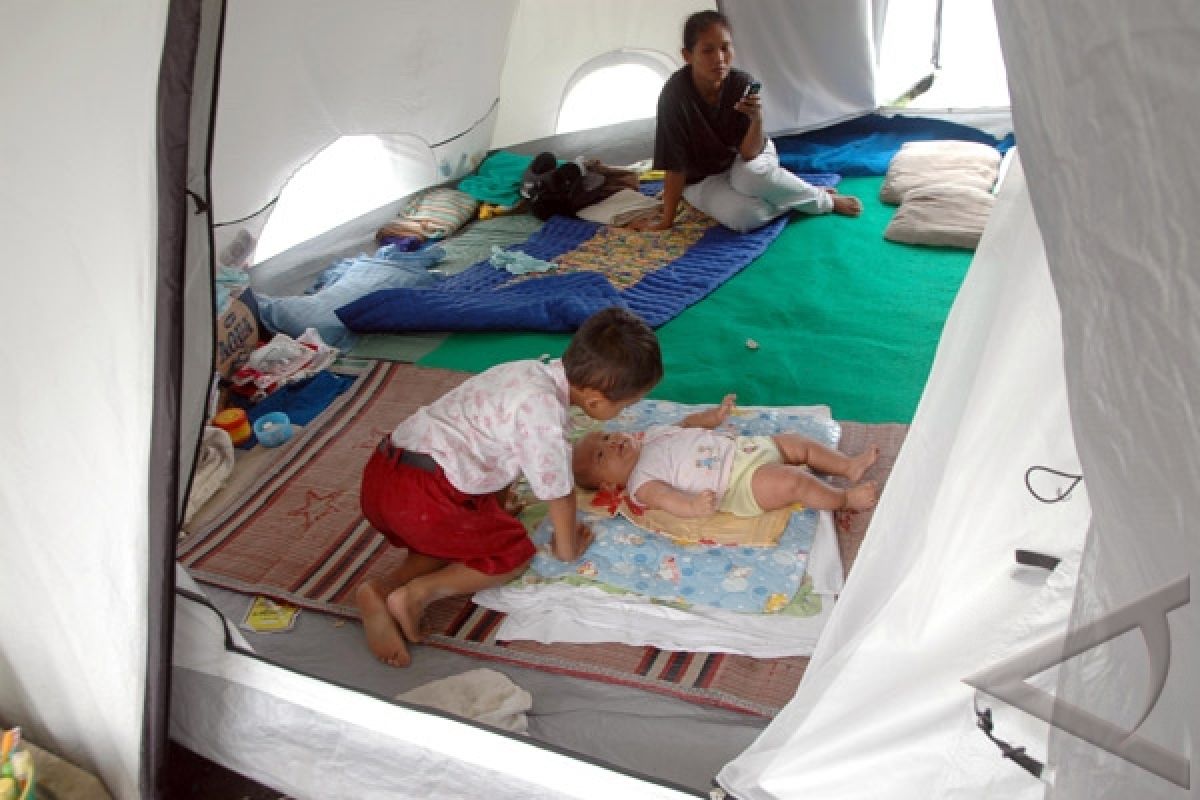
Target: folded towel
(213,465)
(482,695)
(620,208)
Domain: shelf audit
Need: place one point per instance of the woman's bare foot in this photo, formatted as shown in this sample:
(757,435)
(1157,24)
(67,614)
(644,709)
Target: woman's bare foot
(383,635)
(862,496)
(862,462)
(406,611)
(847,205)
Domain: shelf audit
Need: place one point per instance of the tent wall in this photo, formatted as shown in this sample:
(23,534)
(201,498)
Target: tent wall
(935,594)
(409,56)
(1107,106)
(298,74)
(816,61)
(78,84)
(550,40)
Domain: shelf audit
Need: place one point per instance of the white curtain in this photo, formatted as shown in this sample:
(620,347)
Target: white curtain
(935,594)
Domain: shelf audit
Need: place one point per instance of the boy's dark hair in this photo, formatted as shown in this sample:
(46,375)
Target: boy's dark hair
(615,353)
(698,23)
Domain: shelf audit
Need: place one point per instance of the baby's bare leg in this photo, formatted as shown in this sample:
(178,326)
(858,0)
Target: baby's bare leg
(798,449)
(407,603)
(782,485)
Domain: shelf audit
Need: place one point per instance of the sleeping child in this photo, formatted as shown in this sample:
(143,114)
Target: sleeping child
(691,470)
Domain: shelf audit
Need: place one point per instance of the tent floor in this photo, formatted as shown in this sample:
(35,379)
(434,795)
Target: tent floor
(631,730)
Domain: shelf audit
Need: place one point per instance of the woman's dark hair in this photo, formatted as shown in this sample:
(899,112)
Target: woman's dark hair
(699,22)
(615,353)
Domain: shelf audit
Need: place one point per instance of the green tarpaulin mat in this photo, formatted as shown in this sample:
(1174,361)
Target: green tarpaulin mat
(832,313)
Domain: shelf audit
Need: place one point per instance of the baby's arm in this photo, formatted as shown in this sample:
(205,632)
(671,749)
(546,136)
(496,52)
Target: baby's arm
(710,417)
(661,495)
(571,537)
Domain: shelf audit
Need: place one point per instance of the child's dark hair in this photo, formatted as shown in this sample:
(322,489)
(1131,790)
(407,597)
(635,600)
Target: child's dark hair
(615,353)
(698,23)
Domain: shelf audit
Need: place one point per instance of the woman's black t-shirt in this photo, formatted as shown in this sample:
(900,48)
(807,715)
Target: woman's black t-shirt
(694,137)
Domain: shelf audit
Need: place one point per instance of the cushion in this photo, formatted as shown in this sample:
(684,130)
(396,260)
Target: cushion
(432,214)
(919,164)
(941,214)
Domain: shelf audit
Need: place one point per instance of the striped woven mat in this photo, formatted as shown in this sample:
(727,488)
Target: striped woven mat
(295,533)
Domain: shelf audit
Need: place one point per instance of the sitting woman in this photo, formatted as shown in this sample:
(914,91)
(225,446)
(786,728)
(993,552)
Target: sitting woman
(710,143)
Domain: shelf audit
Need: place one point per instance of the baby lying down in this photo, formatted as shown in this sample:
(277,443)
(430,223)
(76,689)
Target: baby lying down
(692,470)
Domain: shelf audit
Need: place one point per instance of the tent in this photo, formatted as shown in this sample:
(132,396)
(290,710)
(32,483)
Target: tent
(1070,352)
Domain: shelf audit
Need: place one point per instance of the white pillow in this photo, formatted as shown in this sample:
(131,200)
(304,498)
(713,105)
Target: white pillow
(943,215)
(944,161)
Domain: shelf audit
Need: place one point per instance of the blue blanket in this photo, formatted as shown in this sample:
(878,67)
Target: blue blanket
(655,275)
(865,145)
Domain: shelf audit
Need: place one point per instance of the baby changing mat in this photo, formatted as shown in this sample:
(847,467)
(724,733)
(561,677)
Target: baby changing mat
(745,578)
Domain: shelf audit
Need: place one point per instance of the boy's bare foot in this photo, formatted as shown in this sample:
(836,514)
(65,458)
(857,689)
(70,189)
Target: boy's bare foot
(407,612)
(862,496)
(383,635)
(862,462)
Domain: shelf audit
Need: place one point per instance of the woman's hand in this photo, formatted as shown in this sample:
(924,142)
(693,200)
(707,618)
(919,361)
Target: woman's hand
(751,106)
(654,222)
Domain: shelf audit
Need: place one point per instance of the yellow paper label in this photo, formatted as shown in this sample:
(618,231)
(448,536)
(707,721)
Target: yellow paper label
(267,616)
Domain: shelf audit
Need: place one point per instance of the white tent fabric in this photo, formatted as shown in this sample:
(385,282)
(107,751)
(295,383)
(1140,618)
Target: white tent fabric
(364,67)
(827,48)
(269,124)
(550,40)
(935,594)
(1108,118)
(78,204)
(1106,109)
(1118,238)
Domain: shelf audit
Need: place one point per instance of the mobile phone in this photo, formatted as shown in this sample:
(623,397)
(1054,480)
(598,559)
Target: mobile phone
(752,89)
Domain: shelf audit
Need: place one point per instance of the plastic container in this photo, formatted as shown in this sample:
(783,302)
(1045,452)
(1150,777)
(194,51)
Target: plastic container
(234,422)
(273,429)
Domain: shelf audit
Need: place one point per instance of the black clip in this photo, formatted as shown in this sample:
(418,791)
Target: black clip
(1030,558)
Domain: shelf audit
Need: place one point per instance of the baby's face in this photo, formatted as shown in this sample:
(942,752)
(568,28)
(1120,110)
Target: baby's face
(605,459)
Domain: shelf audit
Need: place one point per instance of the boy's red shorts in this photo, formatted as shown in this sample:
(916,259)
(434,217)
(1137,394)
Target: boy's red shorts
(418,508)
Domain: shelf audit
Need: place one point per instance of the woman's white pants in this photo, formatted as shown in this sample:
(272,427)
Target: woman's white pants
(751,193)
